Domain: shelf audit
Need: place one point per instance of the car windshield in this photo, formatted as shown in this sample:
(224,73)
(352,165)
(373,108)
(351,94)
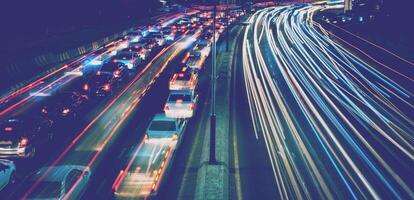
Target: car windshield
(47,189)
(162,126)
(183,97)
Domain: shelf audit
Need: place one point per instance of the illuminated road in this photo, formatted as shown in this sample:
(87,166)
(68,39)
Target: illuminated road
(96,138)
(337,123)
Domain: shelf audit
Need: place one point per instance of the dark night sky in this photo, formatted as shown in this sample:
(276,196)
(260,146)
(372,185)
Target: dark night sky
(33,16)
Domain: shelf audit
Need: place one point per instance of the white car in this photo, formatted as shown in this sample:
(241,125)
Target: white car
(7,173)
(60,182)
(181,104)
(162,126)
(185,80)
(195,61)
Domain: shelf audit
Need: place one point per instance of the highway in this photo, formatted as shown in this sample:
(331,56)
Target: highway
(337,124)
(315,112)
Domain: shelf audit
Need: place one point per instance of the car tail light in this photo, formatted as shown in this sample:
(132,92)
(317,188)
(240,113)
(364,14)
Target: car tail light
(106,87)
(117,72)
(166,107)
(8,129)
(175,136)
(23,142)
(191,106)
(98,73)
(66,111)
(86,87)
(115,61)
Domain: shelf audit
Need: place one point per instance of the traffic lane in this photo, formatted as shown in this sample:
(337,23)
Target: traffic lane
(131,135)
(250,167)
(65,132)
(288,48)
(180,181)
(86,150)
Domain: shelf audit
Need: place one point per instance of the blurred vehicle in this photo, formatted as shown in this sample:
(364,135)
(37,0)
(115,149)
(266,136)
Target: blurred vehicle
(130,59)
(184,80)
(64,106)
(158,37)
(148,43)
(7,173)
(181,104)
(96,58)
(162,126)
(169,35)
(142,52)
(195,61)
(202,47)
(134,36)
(20,138)
(60,182)
(117,69)
(100,85)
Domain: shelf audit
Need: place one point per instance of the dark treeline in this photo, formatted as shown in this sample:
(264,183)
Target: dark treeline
(30,18)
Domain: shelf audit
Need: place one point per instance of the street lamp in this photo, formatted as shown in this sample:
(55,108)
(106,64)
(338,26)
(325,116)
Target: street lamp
(212,159)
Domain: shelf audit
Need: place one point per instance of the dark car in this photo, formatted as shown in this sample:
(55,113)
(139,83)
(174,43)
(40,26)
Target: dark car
(64,106)
(20,138)
(100,85)
(116,69)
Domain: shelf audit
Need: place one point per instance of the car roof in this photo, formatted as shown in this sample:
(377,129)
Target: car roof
(57,173)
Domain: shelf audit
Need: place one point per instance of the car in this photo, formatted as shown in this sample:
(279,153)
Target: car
(195,61)
(130,59)
(148,43)
(117,69)
(186,79)
(64,106)
(60,182)
(158,37)
(96,58)
(100,85)
(20,138)
(181,104)
(169,35)
(162,126)
(7,173)
(134,36)
(202,47)
(136,48)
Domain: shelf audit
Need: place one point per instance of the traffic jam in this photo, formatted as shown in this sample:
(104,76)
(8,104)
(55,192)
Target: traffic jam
(43,157)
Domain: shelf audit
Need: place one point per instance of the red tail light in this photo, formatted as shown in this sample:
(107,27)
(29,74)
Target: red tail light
(86,87)
(8,129)
(191,106)
(23,142)
(106,87)
(98,73)
(117,72)
(166,107)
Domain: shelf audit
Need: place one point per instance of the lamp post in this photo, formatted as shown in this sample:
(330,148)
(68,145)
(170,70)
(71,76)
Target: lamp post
(212,159)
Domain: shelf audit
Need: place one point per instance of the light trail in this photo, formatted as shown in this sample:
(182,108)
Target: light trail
(336,122)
